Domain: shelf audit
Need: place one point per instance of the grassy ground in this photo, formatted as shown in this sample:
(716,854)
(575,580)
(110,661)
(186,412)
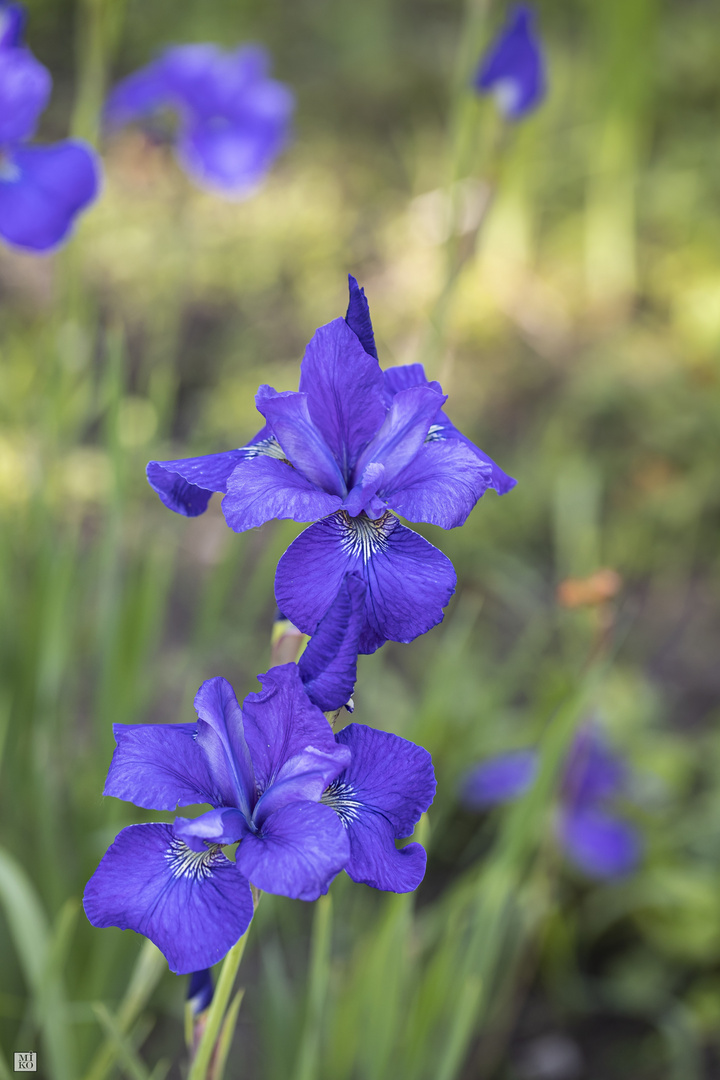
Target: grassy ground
(580,350)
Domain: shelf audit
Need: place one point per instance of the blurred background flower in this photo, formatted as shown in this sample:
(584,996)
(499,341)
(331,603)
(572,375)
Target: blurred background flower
(233,120)
(42,188)
(598,842)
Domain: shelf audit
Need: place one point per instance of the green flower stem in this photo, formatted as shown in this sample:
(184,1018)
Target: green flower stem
(201,1063)
(465,122)
(307,1061)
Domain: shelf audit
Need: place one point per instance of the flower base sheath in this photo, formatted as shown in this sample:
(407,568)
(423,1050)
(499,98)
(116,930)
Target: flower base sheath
(353,448)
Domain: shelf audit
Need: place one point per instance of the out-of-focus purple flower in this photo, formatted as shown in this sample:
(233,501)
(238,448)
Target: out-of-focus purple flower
(233,119)
(501,779)
(263,769)
(42,188)
(200,990)
(513,69)
(597,842)
(353,445)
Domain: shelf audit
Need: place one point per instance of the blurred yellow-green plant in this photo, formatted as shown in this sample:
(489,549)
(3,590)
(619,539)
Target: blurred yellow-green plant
(580,348)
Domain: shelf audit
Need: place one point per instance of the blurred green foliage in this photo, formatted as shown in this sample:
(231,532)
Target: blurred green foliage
(580,349)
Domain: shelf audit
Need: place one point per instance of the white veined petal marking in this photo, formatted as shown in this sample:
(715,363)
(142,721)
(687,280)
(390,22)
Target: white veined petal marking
(436,433)
(340,797)
(269,447)
(363,536)
(198,865)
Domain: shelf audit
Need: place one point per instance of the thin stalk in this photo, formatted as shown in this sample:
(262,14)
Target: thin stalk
(317,992)
(216,1014)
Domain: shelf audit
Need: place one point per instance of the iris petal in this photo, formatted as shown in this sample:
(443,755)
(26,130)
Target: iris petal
(328,666)
(160,767)
(187,484)
(440,485)
(289,418)
(221,737)
(297,852)
(600,844)
(442,429)
(344,387)
(25,86)
(43,189)
(409,581)
(380,797)
(358,318)
(280,722)
(194,906)
(500,779)
(403,432)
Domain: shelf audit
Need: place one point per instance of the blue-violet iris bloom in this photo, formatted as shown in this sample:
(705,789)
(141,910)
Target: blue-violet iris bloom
(233,119)
(597,841)
(303,803)
(42,188)
(263,769)
(354,444)
(513,69)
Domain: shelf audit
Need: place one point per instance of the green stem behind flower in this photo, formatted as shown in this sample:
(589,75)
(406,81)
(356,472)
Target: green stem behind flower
(199,1068)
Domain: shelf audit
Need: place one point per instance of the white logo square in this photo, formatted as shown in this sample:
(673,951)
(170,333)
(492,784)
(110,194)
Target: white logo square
(25,1062)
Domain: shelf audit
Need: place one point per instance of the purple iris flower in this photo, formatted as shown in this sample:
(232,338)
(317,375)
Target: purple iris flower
(42,188)
(233,119)
(513,69)
(596,840)
(353,445)
(303,804)
(263,769)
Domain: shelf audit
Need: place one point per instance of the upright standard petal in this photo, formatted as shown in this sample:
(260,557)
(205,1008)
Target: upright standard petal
(221,738)
(500,779)
(328,666)
(408,581)
(43,189)
(358,317)
(600,844)
(160,767)
(280,722)
(379,798)
(440,485)
(344,386)
(193,905)
(264,489)
(25,86)
(297,852)
(442,429)
(514,68)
